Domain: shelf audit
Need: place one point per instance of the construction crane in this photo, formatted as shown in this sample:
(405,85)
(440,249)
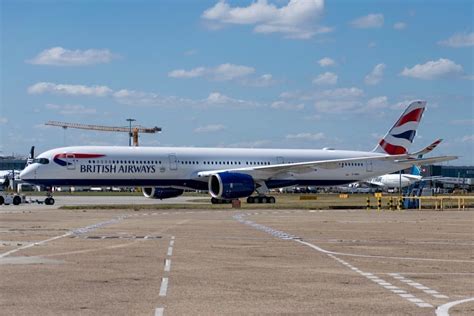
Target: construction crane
(133,131)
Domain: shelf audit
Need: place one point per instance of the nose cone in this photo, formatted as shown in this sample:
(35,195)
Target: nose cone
(28,173)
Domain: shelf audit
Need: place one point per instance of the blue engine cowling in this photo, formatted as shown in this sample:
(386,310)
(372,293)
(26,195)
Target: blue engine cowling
(161,193)
(228,185)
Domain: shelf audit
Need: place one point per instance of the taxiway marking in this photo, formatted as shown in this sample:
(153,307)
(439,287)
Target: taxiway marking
(282,235)
(163,287)
(159,311)
(417,285)
(443,310)
(167,265)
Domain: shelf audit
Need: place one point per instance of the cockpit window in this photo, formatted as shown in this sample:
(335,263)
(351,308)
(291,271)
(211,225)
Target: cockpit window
(43,161)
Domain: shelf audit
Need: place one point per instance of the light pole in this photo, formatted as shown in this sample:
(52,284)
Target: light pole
(130,120)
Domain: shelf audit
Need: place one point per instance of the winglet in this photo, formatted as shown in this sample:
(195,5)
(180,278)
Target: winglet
(427,149)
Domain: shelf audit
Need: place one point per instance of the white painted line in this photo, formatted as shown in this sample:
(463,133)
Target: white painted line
(431,292)
(424,304)
(407,295)
(5,254)
(440,296)
(444,309)
(170,251)
(159,311)
(422,287)
(172,243)
(398,291)
(391,287)
(415,300)
(164,286)
(167,265)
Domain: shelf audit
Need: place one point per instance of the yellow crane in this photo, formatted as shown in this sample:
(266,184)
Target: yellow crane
(133,131)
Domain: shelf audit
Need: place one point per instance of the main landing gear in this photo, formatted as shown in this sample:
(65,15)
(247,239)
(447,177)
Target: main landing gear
(261,199)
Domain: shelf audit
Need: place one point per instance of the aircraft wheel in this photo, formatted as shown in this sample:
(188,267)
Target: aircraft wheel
(271,200)
(263,200)
(51,201)
(2,200)
(16,200)
(250,200)
(214,201)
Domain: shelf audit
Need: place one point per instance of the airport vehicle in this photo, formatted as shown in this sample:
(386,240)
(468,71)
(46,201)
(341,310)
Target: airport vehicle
(228,173)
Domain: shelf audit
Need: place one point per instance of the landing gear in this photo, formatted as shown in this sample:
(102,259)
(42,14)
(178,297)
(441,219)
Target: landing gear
(49,201)
(49,197)
(261,199)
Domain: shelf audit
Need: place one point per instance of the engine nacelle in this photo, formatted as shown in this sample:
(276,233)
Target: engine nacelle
(228,185)
(161,193)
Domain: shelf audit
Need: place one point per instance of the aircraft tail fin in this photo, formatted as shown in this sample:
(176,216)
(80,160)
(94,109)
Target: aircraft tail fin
(400,137)
(415,171)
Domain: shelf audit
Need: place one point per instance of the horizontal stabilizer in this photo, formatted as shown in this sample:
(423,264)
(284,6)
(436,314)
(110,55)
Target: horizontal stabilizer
(427,149)
(422,161)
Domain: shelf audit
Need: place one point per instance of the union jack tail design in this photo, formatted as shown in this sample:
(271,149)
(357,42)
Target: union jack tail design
(400,137)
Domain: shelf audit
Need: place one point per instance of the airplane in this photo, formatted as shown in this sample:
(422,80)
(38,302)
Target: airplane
(394,181)
(228,173)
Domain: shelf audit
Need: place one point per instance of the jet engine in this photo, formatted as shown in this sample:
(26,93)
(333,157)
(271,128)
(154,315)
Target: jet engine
(228,185)
(161,193)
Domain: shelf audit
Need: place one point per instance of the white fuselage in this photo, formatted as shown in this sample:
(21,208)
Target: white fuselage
(178,167)
(394,181)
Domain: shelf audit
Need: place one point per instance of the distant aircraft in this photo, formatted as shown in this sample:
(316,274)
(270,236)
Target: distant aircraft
(394,181)
(228,173)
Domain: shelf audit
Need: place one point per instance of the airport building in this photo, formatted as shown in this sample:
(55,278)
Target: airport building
(12,163)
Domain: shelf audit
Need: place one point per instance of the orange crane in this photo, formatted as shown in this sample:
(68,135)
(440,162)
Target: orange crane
(133,131)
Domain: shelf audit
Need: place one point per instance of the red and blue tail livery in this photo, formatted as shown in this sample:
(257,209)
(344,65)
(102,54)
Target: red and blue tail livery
(400,137)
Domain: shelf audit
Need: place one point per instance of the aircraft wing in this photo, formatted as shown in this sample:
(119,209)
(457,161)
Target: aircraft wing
(420,161)
(266,172)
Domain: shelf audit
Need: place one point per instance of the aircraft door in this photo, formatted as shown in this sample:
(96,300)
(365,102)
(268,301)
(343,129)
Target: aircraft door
(71,161)
(173,162)
(369,167)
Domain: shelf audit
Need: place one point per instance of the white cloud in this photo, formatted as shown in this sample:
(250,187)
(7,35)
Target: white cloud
(295,20)
(326,62)
(68,89)
(377,103)
(223,72)
(340,93)
(430,70)
(327,78)
(283,105)
(368,21)
(186,74)
(265,80)
(306,136)
(71,109)
(459,40)
(336,106)
(400,26)
(375,76)
(58,56)
(468,139)
(3,120)
(210,128)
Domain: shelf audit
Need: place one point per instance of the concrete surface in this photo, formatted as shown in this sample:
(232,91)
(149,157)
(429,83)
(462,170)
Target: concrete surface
(199,262)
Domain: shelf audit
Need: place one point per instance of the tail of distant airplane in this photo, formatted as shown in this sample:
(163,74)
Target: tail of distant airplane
(415,171)
(400,137)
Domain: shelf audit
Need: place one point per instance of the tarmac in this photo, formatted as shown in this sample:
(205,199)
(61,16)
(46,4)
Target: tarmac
(230,261)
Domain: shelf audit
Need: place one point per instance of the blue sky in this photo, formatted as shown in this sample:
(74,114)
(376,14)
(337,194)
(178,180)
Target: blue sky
(280,74)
